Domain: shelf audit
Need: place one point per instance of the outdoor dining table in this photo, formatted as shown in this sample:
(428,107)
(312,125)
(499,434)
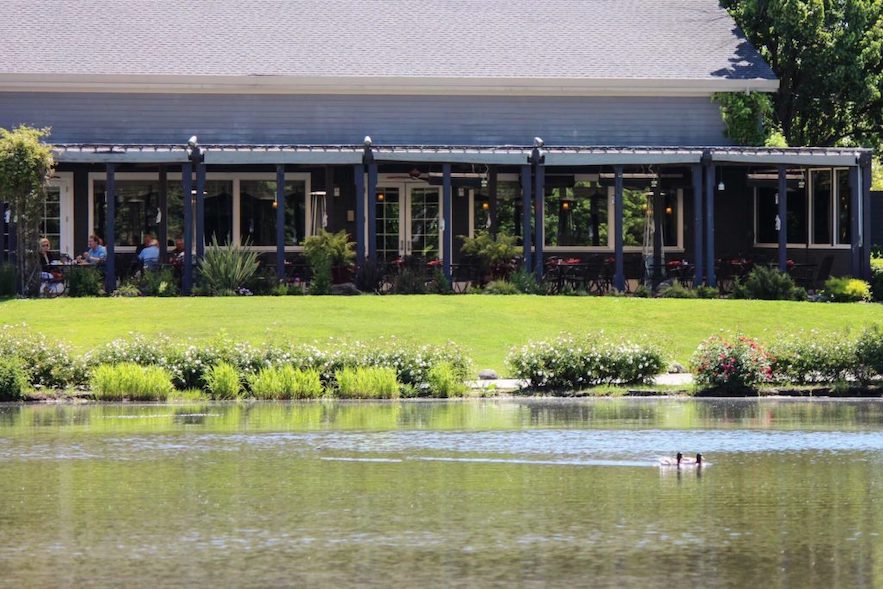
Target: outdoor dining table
(562,271)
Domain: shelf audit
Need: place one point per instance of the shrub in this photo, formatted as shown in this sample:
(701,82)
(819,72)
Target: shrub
(847,290)
(877,278)
(732,364)
(48,363)
(494,253)
(336,247)
(127,290)
(768,284)
(130,381)
(443,381)
(869,354)
(525,282)
(812,358)
(501,287)
(367,383)
(320,267)
(13,378)
(439,283)
(409,280)
(158,283)
(706,292)
(575,362)
(83,281)
(7,280)
(642,292)
(676,290)
(222,381)
(286,382)
(226,268)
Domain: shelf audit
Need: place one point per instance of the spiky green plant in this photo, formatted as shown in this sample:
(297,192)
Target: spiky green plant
(225,268)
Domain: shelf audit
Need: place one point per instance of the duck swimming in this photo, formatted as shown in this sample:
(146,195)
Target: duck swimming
(681,462)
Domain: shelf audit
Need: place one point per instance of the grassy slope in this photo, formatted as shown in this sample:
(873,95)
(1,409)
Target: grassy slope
(486,325)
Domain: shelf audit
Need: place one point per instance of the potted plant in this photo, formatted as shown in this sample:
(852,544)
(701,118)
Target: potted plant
(336,248)
(494,254)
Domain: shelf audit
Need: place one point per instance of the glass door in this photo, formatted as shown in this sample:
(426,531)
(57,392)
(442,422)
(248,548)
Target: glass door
(390,242)
(56,215)
(423,227)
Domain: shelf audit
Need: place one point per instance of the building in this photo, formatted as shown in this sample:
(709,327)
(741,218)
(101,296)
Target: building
(280,93)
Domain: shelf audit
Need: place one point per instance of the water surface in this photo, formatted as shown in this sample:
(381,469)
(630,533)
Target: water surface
(521,493)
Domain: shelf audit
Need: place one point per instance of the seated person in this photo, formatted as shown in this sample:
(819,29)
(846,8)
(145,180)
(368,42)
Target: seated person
(96,254)
(51,279)
(149,256)
(176,257)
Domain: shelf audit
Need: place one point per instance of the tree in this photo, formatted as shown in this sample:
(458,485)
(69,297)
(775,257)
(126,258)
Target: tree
(828,56)
(26,164)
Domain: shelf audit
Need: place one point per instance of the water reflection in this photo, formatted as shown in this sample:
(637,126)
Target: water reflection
(478,493)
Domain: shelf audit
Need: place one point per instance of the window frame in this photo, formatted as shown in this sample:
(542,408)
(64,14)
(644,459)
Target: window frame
(810,196)
(235,177)
(611,221)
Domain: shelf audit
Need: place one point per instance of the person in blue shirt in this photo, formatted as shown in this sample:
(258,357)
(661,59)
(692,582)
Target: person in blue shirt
(149,256)
(96,254)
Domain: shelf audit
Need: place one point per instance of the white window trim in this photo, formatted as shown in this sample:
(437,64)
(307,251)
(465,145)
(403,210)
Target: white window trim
(235,177)
(810,193)
(65,183)
(611,233)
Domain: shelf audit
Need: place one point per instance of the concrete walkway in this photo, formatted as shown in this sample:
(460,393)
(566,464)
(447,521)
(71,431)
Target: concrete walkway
(511,384)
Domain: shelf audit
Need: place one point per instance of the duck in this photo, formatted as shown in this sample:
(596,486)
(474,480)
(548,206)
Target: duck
(691,462)
(676,461)
(681,462)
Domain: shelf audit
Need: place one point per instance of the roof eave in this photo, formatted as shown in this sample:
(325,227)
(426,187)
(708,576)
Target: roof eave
(407,85)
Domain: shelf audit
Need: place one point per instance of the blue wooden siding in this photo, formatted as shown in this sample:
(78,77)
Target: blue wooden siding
(344,119)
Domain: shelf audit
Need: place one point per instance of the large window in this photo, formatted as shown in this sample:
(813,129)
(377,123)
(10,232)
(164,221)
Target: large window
(508,209)
(137,209)
(237,206)
(258,212)
(637,215)
(818,209)
(576,214)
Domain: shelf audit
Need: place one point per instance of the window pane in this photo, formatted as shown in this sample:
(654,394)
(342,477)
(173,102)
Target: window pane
(137,203)
(218,211)
(635,216)
(844,201)
(821,206)
(670,220)
(296,212)
(768,208)
(576,215)
(509,209)
(258,216)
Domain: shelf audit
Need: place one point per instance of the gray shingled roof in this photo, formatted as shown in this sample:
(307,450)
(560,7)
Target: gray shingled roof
(482,39)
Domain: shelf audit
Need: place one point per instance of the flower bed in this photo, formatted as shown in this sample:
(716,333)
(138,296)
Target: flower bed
(576,362)
(731,364)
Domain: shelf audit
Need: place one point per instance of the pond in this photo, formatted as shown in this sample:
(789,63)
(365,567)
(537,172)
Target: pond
(508,493)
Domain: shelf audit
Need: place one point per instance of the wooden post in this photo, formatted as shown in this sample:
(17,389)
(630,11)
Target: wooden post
(855,190)
(200,210)
(539,194)
(865,163)
(492,199)
(280,222)
(697,223)
(618,217)
(372,212)
(710,277)
(525,216)
(447,222)
(658,243)
(162,230)
(329,194)
(359,175)
(110,198)
(783,219)
(187,194)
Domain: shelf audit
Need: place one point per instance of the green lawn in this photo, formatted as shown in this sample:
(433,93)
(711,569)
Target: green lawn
(486,325)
